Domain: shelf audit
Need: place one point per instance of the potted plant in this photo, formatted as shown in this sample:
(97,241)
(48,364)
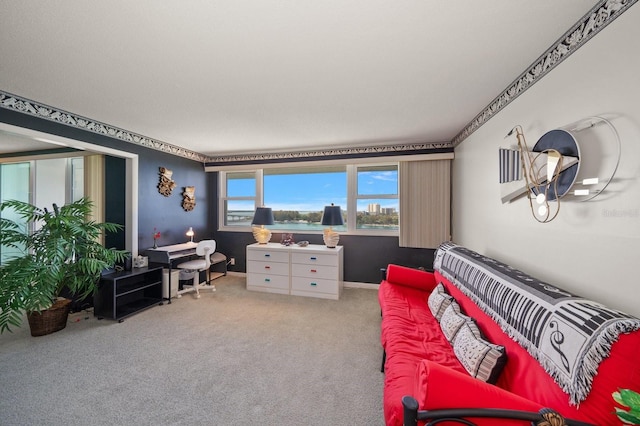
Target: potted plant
(62,252)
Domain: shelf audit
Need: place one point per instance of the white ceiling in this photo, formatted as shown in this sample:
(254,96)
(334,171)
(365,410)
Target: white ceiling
(226,76)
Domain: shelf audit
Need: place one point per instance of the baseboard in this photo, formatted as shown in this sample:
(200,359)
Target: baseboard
(347,284)
(368,286)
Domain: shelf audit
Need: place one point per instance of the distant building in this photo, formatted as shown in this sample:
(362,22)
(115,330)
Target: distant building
(374,208)
(388,210)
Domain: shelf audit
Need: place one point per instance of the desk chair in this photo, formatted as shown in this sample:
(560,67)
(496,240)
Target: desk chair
(205,249)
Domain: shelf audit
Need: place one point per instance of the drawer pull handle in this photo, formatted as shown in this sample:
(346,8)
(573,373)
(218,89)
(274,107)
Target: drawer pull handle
(267,267)
(313,284)
(313,258)
(313,270)
(267,280)
(267,255)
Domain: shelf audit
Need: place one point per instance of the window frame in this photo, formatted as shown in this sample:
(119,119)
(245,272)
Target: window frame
(223,198)
(379,196)
(351,207)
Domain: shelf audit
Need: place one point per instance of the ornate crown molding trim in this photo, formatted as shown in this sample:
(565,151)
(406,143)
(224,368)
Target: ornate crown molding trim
(40,110)
(601,15)
(321,154)
(37,109)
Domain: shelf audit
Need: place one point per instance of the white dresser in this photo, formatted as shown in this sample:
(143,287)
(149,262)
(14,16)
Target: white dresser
(314,271)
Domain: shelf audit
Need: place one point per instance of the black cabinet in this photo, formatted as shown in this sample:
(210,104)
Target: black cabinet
(124,293)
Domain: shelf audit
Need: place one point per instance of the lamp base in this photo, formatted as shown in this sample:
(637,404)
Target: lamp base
(262,235)
(330,238)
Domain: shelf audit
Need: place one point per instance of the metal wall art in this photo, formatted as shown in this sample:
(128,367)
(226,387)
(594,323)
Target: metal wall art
(576,162)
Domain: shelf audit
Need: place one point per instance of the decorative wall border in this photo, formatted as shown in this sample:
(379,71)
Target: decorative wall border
(322,154)
(601,15)
(37,109)
(40,110)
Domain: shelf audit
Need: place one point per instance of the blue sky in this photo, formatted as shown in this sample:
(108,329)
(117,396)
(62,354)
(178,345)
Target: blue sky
(313,191)
(305,192)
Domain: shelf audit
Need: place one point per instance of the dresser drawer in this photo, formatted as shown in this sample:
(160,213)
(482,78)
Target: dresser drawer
(314,259)
(271,268)
(307,286)
(315,271)
(268,255)
(312,271)
(280,282)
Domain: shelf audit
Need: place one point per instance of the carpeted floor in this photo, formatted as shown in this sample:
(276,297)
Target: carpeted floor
(230,358)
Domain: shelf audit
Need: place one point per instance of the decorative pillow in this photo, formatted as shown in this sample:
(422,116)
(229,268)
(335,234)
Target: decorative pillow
(483,360)
(438,301)
(452,320)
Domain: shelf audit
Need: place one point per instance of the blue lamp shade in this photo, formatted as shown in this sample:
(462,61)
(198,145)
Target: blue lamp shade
(263,216)
(332,216)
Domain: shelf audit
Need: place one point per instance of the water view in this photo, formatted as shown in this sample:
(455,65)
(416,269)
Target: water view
(310,221)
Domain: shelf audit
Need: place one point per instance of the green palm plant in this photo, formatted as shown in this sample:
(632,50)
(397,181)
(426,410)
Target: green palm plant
(62,252)
(631,400)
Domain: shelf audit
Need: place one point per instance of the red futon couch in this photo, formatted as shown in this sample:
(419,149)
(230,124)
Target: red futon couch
(477,334)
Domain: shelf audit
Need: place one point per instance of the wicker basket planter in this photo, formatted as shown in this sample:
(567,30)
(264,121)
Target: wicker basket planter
(50,320)
(62,254)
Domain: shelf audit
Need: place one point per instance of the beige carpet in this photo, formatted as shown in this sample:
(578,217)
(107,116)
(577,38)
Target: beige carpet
(230,358)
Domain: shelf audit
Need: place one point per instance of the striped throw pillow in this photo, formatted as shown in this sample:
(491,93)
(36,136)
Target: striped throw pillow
(483,360)
(438,301)
(452,320)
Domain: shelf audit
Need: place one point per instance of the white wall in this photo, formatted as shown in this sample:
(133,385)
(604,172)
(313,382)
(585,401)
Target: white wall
(586,249)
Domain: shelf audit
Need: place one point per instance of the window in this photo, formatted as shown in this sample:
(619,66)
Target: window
(377,197)
(15,184)
(297,196)
(31,182)
(77,178)
(239,198)
(368,196)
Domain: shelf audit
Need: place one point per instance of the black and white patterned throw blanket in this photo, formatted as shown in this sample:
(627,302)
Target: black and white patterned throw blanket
(568,335)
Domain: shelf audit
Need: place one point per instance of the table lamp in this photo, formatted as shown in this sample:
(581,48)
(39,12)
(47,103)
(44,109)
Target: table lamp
(190,233)
(332,216)
(263,216)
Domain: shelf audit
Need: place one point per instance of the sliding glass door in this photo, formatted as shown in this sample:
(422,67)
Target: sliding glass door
(15,184)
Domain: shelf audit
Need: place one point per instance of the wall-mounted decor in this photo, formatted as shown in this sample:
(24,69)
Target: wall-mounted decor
(577,161)
(166,185)
(189,198)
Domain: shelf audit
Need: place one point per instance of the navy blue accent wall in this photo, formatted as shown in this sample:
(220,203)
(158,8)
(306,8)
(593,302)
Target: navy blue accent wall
(166,213)
(114,199)
(364,256)
(154,210)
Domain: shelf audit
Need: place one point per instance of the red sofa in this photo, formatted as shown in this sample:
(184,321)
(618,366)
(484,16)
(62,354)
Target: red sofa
(421,363)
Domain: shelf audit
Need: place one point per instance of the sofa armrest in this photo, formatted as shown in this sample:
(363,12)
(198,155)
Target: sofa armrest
(441,392)
(493,415)
(410,277)
(437,387)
